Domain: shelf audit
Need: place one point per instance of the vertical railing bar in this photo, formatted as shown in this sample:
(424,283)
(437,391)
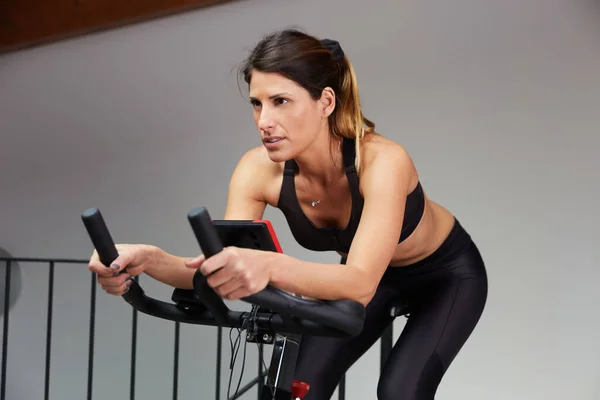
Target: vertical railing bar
(176,361)
(5,336)
(49,330)
(91,339)
(219,351)
(134,320)
(260,369)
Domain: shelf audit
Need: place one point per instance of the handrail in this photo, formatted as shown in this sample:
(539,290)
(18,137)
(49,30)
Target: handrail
(386,340)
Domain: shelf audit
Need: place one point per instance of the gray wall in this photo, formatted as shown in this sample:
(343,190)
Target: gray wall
(498,103)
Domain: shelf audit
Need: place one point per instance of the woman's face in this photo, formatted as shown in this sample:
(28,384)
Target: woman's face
(288,119)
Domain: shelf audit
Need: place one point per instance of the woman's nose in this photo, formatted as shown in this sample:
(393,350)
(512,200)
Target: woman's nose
(265,122)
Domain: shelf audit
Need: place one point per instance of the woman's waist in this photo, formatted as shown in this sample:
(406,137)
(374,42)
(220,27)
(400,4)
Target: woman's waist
(430,234)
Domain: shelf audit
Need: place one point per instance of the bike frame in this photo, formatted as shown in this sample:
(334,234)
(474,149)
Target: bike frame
(281,370)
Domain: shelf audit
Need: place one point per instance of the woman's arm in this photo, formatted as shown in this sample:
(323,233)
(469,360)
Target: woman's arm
(168,268)
(246,201)
(385,183)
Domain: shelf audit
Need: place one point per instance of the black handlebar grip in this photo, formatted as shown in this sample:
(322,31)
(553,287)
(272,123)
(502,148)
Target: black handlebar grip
(101,238)
(104,245)
(211,244)
(205,232)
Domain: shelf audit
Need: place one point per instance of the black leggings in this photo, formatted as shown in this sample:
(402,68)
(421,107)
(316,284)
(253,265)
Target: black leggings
(445,293)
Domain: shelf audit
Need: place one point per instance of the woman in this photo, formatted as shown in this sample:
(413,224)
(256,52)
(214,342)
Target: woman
(342,187)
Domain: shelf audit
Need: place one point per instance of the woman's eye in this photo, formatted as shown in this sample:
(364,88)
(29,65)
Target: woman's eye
(280,101)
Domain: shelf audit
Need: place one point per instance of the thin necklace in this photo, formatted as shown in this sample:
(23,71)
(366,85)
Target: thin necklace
(316,202)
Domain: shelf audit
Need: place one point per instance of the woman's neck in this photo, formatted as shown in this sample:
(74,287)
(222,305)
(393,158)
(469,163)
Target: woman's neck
(322,162)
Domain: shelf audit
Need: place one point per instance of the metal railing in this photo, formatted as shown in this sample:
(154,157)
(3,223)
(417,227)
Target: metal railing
(386,339)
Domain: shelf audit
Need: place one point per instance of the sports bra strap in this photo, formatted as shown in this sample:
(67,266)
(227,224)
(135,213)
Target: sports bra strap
(349,154)
(290,168)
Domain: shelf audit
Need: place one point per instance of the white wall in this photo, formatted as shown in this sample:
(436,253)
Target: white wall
(496,101)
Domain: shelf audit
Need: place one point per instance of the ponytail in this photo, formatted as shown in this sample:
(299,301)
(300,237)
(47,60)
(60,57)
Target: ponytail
(348,120)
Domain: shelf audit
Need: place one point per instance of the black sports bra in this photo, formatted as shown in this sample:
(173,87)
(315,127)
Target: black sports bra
(336,238)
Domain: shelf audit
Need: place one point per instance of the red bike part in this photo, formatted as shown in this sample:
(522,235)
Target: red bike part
(299,389)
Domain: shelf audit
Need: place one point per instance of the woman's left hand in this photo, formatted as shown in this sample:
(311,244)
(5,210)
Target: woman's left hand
(233,273)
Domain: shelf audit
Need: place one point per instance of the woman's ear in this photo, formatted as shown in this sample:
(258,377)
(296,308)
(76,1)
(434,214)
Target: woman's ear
(327,101)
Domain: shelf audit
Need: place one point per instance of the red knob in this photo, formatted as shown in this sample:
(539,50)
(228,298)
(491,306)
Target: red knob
(299,389)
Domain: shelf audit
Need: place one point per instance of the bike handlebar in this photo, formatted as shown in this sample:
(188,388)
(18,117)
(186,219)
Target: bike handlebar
(290,314)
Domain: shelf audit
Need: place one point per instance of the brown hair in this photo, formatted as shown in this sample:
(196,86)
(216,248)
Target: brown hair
(312,64)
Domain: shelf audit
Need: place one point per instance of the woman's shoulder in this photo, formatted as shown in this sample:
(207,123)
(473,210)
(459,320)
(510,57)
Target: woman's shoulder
(376,148)
(265,174)
(257,160)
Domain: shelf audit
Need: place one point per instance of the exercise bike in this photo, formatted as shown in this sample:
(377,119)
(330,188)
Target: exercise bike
(277,318)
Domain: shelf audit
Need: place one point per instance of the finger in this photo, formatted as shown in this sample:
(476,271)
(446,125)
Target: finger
(121,262)
(225,290)
(115,267)
(120,289)
(96,266)
(113,281)
(215,262)
(220,277)
(100,269)
(195,262)
(237,294)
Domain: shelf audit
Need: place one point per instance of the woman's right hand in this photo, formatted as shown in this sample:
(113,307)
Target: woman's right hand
(132,261)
